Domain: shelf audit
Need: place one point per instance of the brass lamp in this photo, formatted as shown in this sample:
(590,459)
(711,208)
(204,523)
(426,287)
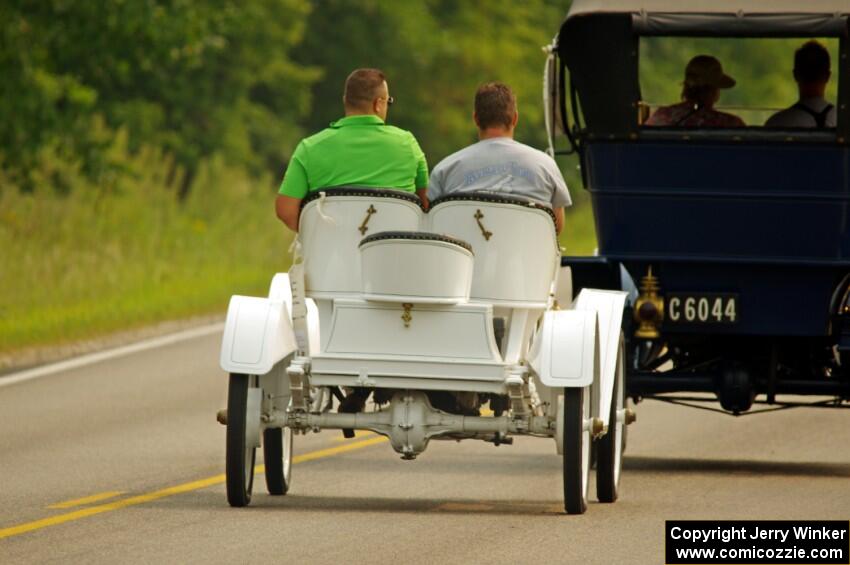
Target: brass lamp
(649,308)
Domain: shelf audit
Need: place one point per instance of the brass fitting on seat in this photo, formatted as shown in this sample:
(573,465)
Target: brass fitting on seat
(649,307)
(406,317)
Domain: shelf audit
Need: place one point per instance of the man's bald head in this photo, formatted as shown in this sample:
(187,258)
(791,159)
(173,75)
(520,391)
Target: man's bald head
(362,88)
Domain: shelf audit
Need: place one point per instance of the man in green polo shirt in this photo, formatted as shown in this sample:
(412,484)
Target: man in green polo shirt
(357,150)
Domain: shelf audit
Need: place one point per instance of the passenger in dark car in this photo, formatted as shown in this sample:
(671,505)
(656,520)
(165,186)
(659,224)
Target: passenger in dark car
(704,78)
(811,71)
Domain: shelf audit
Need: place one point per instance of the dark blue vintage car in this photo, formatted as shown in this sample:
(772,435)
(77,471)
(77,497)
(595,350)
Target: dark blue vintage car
(737,241)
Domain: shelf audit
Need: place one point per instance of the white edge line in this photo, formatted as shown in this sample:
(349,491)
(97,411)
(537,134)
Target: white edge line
(92,358)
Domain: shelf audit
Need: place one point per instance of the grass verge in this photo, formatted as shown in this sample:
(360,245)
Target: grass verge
(130,253)
(92,262)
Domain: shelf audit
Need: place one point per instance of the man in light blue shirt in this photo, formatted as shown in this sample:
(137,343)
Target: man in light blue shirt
(499,164)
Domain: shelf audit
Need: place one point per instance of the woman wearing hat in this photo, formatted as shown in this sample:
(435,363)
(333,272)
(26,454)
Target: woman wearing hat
(704,77)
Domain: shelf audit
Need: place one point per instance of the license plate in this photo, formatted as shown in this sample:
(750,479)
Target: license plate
(702,308)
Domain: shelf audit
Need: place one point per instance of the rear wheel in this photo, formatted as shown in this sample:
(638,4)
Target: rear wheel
(239,460)
(576,449)
(277,453)
(610,446)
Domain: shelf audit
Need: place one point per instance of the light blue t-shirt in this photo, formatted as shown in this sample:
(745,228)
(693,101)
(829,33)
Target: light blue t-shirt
(503,166)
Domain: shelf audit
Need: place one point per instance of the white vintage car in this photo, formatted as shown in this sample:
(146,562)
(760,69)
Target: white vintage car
(467,302)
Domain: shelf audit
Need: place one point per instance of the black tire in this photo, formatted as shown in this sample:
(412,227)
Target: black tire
(278,459)
(593,444)
(239,467)
(625,440)
(576,449)
(610,446)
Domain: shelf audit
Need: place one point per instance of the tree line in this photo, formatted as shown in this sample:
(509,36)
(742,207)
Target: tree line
(244,81)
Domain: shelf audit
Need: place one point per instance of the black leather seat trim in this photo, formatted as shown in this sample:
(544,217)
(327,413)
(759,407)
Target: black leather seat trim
(492,198)
(415,235)
(361,191)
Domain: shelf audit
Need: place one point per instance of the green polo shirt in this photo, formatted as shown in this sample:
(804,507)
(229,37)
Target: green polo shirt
(356,151)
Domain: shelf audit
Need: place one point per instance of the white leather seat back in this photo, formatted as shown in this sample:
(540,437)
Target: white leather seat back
(331,228)
(515,246)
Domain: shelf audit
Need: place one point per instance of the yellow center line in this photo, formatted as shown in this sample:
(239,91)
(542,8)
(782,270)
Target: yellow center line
(170,491)
(360,434)
(337,450)
(86,499)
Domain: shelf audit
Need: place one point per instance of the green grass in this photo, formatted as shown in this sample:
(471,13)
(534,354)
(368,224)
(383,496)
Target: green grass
(129,253)
(93,262)
(578,236)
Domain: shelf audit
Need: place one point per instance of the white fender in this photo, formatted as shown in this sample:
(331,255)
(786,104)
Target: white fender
(257,334)
(565,352)
(281,290)
(608,306)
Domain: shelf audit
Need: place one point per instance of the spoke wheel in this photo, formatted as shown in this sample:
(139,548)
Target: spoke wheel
(277,453)
(239,464)
(576,449)
(610,446)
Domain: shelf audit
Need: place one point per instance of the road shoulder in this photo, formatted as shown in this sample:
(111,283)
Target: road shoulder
(14,361)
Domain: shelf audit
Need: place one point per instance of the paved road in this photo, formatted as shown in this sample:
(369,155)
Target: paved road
(138,435)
